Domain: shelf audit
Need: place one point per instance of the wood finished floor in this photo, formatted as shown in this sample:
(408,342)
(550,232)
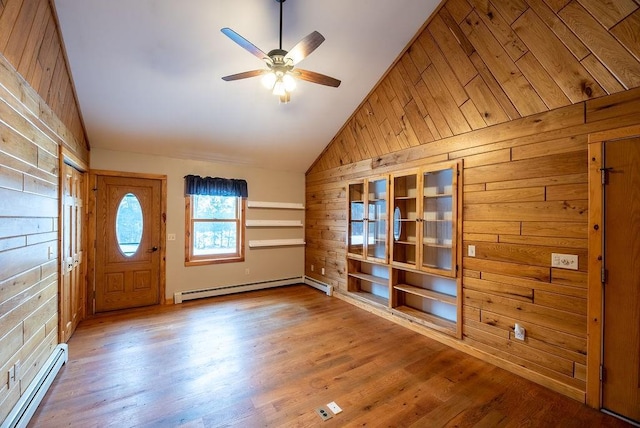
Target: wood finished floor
(269,358)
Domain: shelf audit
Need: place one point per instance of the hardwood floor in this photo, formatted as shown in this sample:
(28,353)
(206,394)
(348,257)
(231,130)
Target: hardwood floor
(269,358)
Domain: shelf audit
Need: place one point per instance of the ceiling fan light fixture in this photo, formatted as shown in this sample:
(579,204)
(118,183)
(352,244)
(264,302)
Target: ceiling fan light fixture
(279,88)
(289,82)
(269,80)
(281,74)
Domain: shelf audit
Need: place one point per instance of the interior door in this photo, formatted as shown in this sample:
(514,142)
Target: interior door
(73,266)
(128,226)
(621,347)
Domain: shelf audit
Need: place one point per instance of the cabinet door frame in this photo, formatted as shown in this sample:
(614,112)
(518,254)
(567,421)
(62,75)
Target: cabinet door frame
(456,218)
(365,255)
(416,173)
(456,225)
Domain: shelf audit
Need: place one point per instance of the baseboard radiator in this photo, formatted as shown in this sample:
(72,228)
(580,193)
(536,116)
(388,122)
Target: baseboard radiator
(312,282)
(28,403)
(182,296)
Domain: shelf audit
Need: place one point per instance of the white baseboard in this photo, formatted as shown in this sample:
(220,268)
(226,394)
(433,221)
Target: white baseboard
(312,282)
(25,407)
(182,296)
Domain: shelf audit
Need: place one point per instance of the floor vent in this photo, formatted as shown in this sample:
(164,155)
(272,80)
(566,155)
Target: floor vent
(220,291)
(28,403)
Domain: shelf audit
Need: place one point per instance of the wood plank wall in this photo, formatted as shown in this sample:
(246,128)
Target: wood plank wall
(38,116)
(512,87)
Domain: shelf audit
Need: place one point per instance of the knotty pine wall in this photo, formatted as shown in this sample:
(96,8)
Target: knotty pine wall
(38,116)
(512,87)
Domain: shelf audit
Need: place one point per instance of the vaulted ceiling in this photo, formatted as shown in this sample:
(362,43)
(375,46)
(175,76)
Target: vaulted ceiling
(148,73)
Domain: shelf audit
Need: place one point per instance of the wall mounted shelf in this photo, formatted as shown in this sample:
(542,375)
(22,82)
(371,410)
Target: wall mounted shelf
(265,243)
(274,223)
(275,205)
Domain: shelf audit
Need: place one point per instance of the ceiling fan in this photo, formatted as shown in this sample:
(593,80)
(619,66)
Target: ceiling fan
(281,71)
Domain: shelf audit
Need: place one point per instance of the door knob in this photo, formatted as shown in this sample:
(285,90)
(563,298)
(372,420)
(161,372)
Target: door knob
(153,249)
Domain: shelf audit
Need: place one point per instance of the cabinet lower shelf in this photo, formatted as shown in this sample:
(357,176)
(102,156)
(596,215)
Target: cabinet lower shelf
(372,298)
(429,320)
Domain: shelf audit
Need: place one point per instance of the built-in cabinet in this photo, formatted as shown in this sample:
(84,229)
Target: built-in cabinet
(409,264)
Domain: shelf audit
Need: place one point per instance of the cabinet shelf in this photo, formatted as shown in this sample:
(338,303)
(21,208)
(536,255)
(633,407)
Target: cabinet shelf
(371,278)
(437,245)
(363,295)
(431,320)
(427,294)
(405,242)
(439,195)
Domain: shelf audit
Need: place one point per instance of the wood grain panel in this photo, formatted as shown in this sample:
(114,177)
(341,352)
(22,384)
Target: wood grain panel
(542,82)
(626,31)
(502,67)
(602,75)
(456,56)
(486,102)
(562,32)
(609,13)
(500,29)
(557,59)
(545,228)
(529,312)
(603,45)
(562,341)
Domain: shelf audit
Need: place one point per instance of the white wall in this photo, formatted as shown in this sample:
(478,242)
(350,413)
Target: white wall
(264,264)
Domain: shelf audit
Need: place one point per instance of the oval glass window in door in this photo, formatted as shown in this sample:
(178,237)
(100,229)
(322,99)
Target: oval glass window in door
(129,224)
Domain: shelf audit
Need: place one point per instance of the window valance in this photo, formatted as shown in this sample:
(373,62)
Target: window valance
(196,185)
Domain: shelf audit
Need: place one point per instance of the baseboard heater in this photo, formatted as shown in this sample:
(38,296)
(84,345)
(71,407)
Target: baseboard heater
(28,403)
(181,296)
(312,282)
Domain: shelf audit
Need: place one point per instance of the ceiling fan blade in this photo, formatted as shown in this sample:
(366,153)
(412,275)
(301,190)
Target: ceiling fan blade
(246,44)
(312,76)
(305,47)
(243,75)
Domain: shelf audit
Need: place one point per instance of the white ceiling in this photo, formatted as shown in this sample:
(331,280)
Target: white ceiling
(148,73)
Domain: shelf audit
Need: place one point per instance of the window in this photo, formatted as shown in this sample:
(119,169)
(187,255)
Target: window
(214,229)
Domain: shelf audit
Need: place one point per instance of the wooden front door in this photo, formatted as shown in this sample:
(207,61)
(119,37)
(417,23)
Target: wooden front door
(73,267)
(621,348)
(128,235)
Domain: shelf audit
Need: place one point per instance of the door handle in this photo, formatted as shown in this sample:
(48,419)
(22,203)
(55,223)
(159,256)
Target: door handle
(152,250)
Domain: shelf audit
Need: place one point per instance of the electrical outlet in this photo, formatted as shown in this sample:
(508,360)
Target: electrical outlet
(519,331)
(334,407)
(471,250)
(312,268)
(322,271)
(247,271)
(564,261)
(323,413)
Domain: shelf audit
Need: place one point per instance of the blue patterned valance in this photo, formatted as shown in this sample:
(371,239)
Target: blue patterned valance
(196,185)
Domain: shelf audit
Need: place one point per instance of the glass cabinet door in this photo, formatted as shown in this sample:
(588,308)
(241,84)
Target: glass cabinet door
(405,217)
(368,207)
(355,244)
(376,219)
(439,200)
